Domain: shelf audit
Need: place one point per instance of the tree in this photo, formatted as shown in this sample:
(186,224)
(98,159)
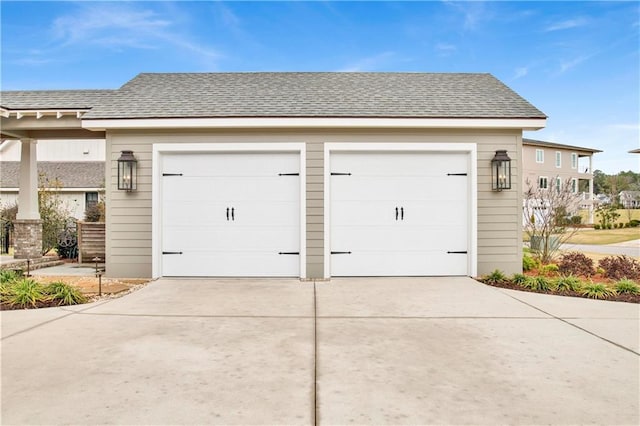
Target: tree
(53,212)
(547,216)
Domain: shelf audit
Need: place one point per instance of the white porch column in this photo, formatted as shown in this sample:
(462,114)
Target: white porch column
(28,226)
(28,193)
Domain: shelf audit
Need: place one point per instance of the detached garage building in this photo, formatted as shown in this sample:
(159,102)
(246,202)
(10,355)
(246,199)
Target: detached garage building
(308,175)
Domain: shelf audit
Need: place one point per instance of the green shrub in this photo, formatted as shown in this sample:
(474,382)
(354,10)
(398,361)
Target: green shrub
(26,293)
(497,276)
(576,263)
(519,279)
(9,276)
(65,294)
(529,262)
(550,269)
(568,283)
(596,226)
(537,283)
(597,291)
(576,220)
(634,223)
(627,286)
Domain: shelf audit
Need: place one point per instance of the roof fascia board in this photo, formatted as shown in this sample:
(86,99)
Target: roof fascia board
(553,145)
(324,122)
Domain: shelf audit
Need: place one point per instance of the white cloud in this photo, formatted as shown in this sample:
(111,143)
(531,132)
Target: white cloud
(567,24)
(474,12)
(446,48)
(520,72)
(120,26)
(567,65)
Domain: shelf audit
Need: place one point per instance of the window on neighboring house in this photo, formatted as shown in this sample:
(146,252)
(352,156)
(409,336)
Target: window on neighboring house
(539,155)
(542,182)
(574,160)
(558,159)
(558,185)
(90,199)
(574,185)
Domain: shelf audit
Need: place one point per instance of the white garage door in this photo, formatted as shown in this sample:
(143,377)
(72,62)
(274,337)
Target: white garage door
(399,213)
(231,214)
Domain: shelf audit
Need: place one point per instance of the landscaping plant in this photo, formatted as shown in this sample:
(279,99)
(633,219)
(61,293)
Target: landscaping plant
(8,276)
(576,263)
(627,286)
(568,283)
(537,283)
(619,267)
(25,293)
(597,291)
(64,294)
(495,277)
(519,279)
(529,262)
(550,269)
(547,214)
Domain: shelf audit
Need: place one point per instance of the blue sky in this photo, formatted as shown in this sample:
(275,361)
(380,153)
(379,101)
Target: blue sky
(578,61)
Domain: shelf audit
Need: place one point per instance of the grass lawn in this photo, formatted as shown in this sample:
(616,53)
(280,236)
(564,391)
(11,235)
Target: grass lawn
(623,218)
(606,236)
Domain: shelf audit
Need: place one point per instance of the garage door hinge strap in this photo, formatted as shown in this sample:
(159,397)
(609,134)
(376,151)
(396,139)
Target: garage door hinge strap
(171,252)
(456,174)
(288,174)
(340,174)
(172,174)
(456,252)
(289,252)
(340,252)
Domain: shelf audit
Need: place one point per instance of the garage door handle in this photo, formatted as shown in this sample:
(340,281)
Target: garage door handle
(233,215)
(227,213)
(396,213)
(456,252)
(401,213)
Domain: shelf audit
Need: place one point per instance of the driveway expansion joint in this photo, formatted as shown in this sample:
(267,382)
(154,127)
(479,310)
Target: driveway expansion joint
(564,320)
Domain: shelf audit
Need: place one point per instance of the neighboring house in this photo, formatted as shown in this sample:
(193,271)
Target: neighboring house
(309,175)
(630,199)
(78,184)
(549,165)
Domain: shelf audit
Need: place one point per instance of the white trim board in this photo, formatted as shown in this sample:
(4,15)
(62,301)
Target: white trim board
(156,202)
(470,148)
(318,122)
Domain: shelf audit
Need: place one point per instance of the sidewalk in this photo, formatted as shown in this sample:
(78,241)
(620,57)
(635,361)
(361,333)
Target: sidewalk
(628,248)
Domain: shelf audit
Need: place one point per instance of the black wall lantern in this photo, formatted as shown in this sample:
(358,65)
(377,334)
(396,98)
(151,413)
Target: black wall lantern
(501,171)
(127,171)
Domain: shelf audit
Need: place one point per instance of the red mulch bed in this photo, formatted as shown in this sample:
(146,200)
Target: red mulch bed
(621,297)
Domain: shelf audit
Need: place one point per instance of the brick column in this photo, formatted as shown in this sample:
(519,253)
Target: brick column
(27,238)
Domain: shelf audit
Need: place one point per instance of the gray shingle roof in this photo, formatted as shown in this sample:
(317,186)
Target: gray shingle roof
(291,94)
(51,99)
(79,174)
(534,142)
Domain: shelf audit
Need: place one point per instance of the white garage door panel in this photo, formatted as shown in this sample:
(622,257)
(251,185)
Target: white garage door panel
(399,264)
(231,214)
(225,264)
(399,213)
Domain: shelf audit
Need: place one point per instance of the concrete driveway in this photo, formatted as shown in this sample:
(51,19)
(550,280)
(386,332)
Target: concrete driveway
(352,351)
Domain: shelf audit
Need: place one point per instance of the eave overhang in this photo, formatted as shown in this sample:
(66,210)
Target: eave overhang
(313,122)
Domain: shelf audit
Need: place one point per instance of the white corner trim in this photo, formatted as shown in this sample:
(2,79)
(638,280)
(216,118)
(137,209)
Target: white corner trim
(470,148)
(156,200)
(319,122)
